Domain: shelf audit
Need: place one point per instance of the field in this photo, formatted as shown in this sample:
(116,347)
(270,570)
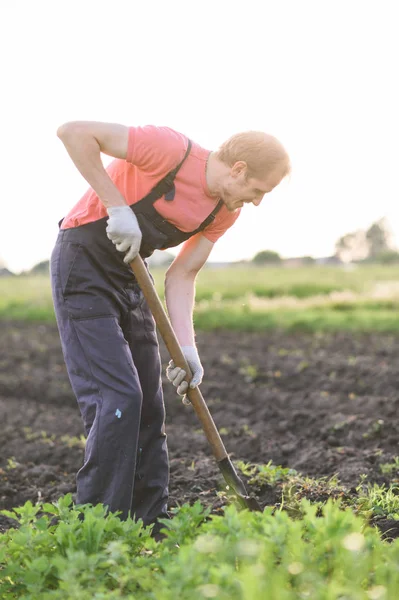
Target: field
(301,377)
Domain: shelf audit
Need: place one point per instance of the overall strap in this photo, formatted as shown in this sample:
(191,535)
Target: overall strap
(209,218)
(166,184)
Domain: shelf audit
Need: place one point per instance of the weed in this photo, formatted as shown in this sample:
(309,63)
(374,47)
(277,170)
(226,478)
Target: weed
(11,463)
(250,372)
(41,436)
(268,474)
(224,431)
(73,441)
(389,468)
(378,501)
(375,429)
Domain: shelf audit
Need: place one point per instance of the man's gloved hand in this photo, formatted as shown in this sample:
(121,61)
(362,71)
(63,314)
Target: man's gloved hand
(176,374)
(124,231)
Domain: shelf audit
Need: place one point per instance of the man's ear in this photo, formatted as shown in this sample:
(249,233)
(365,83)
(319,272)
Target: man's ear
(238,168)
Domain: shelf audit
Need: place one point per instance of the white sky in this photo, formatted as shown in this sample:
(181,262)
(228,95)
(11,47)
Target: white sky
(320,75)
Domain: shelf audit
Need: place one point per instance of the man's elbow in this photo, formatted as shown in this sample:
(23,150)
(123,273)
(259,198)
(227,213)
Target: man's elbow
(66,129)
(177,272)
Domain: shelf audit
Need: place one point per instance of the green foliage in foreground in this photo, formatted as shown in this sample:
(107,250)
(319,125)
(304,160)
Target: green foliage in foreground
(328,553)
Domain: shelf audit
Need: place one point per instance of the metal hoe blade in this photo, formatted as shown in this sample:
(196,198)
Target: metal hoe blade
(230,475)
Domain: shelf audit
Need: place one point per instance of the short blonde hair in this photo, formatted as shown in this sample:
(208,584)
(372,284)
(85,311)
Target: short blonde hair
(262,152)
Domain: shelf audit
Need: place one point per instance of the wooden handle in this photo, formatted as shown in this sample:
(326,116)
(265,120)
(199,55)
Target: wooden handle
(173,346)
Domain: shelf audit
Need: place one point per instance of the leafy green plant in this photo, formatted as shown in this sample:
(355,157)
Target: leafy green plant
(61,551)
(59,545)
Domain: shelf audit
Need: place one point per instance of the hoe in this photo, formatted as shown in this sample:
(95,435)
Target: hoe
(194,395)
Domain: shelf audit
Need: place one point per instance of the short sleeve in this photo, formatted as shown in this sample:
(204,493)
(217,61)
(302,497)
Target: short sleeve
(155,150)
(220,225)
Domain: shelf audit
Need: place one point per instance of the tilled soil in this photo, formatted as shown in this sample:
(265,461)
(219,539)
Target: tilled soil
(323,404)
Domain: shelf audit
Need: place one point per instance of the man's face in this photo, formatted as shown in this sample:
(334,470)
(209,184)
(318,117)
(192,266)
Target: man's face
(238,189)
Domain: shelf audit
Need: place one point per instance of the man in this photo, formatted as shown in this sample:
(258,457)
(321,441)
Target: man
(161,190)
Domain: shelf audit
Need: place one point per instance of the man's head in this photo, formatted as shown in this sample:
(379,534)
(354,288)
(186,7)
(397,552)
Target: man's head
(246,167)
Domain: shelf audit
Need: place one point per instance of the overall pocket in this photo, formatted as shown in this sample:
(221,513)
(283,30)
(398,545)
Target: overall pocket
(85,289)
(69,254)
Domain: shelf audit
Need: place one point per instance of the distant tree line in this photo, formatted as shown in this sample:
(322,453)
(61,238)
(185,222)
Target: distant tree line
(374,245)
(159,258)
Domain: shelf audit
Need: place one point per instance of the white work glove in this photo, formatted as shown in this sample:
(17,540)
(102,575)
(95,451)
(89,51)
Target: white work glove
(176,374)
(124,231)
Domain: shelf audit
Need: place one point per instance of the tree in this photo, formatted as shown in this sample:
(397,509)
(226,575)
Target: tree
(41,268)
(352,246)
(379,238)
(266,257)
(4,272)
(388,257)
(308,260)
(365,245)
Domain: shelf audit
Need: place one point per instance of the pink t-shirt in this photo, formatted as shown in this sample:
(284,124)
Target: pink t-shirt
(152,153)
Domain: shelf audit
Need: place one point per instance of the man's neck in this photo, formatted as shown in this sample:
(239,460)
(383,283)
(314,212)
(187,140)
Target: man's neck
(215,169)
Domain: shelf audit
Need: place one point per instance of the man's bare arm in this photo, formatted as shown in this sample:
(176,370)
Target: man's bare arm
(180,286)
(84,141)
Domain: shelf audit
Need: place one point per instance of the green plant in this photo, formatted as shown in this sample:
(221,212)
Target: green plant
(265,474)
(389,468)
(378,500)
(11,463)
(375,429)
(63,552)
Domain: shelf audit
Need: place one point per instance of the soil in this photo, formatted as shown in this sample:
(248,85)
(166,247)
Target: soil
(322,404)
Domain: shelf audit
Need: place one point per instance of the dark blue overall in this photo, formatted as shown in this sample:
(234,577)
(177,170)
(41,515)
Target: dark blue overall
(111,352)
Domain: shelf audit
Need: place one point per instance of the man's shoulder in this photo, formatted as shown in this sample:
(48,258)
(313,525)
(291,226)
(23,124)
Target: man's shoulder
(163,134)
(160,135)
(155,148)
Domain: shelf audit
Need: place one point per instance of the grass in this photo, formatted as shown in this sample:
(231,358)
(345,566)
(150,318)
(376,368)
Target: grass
(315,298)
(26,298)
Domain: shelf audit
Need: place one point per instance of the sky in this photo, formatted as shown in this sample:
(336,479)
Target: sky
(319,75)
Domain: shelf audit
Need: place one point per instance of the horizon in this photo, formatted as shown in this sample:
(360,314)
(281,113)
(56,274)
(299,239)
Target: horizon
(210,263)
(214,260)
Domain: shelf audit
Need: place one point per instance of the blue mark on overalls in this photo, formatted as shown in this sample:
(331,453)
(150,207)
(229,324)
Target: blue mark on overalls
(118,413)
